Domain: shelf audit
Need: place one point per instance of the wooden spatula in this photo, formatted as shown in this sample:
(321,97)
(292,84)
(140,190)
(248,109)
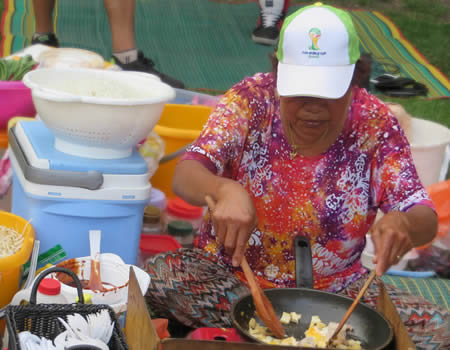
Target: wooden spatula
(263,306)
(352,307)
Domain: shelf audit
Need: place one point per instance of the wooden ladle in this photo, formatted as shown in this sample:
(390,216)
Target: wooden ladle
(263,306)
(352,307)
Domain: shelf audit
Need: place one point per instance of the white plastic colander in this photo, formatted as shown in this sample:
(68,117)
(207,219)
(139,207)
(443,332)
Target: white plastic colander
(97,113)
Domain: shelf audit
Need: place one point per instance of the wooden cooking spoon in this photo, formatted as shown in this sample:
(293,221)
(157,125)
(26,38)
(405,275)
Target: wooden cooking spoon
(352,307)
(263,306)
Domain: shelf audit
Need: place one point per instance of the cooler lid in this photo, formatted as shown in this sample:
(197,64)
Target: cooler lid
(42,142)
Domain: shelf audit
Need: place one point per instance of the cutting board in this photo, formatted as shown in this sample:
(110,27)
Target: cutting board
(139,330)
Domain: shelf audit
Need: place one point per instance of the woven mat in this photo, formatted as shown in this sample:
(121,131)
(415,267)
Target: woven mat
(206,43)
(436,290)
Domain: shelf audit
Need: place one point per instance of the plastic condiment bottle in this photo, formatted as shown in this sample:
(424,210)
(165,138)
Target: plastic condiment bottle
(49,292)
(182,231)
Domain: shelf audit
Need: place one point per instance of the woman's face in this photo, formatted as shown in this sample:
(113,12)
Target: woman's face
(311,125)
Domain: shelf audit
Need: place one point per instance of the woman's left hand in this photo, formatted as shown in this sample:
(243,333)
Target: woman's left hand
(390,236)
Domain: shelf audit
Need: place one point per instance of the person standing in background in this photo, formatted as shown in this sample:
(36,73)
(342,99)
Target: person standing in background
(270,20)
(121,20)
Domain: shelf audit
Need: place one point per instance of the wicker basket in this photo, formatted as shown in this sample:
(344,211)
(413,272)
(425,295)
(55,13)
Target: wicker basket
(42,319)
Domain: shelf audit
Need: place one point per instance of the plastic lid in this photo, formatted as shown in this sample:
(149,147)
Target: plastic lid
(49,286)
(180,228)
(155,244)
(178,207)
(157,198)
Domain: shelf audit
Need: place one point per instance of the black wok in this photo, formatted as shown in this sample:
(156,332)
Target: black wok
(370,327)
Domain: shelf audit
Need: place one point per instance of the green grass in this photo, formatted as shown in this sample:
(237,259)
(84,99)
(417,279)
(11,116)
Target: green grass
(426,25)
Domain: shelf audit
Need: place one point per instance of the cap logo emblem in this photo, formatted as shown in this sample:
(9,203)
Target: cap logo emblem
(314,35)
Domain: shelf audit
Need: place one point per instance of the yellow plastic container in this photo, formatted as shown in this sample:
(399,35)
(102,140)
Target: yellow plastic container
(11,266)
(178,126)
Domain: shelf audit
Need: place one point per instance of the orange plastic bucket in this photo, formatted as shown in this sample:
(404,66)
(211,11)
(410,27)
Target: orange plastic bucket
(11,266)
(178,126)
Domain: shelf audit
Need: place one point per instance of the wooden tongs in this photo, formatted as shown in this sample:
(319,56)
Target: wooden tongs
(263,306)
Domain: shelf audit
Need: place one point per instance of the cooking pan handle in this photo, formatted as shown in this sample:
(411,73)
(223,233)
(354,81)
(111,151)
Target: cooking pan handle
(303,262)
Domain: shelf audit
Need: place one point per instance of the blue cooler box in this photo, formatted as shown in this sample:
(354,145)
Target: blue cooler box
(65,196)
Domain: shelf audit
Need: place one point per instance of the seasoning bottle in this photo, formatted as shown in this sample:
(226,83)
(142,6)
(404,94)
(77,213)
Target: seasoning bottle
(153,222)
(49,292)
(182,231)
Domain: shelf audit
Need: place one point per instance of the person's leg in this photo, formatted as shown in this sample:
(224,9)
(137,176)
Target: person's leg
(43,12)
(272,13)
(427,323)
(121,21)
(193,288)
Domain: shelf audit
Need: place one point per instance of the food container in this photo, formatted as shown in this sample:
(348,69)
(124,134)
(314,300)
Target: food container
(151,245)
(154,222)
(178,209)
(179,126)
(15,100)
(182,231)
(69,57)
(97,113)
(187,97)
(11,266)
(114,274)
(158,199)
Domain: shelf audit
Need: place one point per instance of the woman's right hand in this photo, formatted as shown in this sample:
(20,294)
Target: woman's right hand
(234,218)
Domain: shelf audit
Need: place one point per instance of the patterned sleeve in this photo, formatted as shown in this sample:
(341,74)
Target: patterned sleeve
(222,139)
(396,183)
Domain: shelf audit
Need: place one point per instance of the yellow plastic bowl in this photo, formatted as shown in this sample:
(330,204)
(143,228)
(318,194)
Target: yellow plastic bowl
(11,266)
(178,126)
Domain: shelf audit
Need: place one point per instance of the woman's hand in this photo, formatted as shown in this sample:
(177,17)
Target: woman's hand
(234,218)
(391,239)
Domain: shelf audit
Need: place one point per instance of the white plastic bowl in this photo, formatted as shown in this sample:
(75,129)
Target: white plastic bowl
(97,113)
(113,270)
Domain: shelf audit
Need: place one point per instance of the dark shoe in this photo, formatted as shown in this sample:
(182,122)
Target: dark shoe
(269,23)
(396,86)
(49,39)
(144,64)
(266,35)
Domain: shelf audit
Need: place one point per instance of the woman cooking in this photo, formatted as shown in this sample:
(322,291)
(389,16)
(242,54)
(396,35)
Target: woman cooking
(302,151)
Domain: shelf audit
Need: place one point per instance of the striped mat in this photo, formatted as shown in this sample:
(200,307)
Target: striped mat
(206,43)
(436,290)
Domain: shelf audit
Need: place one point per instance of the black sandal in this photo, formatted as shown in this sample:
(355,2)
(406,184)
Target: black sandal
(399,86)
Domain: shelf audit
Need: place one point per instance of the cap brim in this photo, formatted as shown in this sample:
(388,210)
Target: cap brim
(324,81)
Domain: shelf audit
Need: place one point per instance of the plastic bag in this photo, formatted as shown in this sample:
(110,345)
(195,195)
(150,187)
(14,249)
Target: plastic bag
(440,195)
(161,327)
(436,255)
(152,150)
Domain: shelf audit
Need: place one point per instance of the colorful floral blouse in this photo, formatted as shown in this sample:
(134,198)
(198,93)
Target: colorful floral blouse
(332,198)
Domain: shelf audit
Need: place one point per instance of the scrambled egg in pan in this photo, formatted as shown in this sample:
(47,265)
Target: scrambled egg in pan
(316,335)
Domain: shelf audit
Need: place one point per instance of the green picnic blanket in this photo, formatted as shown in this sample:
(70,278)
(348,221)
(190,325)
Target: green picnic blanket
(207,43)
(436,290)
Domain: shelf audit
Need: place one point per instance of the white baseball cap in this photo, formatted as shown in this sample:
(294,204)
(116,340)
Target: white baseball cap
(317,52)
